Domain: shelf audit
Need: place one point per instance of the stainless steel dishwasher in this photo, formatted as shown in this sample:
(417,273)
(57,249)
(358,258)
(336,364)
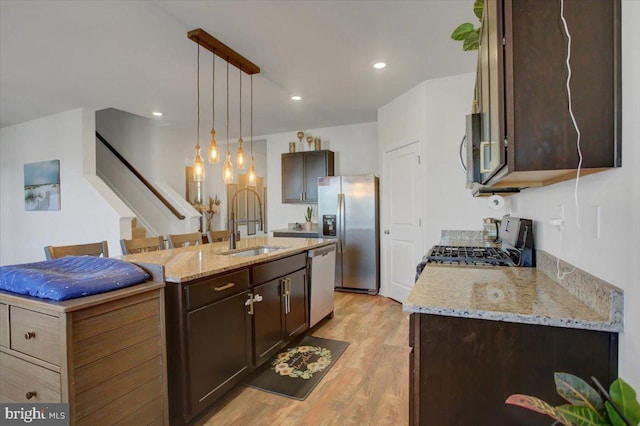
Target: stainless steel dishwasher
(322,270)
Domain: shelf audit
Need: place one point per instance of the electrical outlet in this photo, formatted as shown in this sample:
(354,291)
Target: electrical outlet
(558,219)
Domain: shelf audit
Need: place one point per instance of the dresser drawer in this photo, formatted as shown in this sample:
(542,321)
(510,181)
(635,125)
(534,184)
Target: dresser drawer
(217,288)
(4,325)
(35,334)
(26,382)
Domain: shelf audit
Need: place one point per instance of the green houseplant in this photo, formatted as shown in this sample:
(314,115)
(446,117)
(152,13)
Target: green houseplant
(586,407)
(467,33)
(307,218)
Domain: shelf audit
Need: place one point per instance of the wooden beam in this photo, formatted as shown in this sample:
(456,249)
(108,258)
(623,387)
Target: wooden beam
(220,49)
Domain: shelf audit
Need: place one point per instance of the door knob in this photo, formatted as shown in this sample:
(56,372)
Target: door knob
(386,231)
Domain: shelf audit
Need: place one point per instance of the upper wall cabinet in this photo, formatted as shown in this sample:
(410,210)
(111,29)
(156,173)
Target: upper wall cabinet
(526,135)
(300,173)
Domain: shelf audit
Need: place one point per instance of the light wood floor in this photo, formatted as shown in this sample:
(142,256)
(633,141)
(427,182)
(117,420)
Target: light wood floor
(368,385)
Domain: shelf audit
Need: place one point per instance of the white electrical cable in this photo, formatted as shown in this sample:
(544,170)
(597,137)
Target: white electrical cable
(561,275)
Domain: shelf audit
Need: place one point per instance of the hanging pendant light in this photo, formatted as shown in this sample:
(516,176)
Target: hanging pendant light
(252,169)
(214,155)
(198,163)
(227,170)
(240,163)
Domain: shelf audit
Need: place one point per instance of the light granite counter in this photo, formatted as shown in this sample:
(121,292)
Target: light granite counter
(189,263)
(523,295)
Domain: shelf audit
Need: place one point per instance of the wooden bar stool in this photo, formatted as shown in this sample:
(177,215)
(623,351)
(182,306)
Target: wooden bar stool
(91,249)
(217,236)
(141,245)
(184,240)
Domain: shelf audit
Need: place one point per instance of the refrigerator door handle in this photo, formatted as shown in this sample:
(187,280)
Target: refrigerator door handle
(339,223)
(342,221)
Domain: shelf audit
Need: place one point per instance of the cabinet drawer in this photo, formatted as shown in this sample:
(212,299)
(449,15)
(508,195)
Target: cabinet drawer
(26,382)
(278,268)
(4,325)
(217,288)
(35,334)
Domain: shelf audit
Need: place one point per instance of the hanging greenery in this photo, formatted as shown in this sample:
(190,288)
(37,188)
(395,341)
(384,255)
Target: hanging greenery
(467,33)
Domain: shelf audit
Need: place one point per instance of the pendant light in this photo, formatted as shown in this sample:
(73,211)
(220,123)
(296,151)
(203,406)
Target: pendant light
(240,163)
(252,169)
(214,155)
(227,170)
(198,163)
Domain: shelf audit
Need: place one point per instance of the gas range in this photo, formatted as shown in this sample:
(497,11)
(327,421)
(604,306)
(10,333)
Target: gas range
(516,249)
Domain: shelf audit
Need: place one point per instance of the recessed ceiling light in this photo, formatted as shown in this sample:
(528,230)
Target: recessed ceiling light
(379,65)
(296,98)
(157,113)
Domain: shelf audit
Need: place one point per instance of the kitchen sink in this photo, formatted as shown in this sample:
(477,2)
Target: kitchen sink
(253,251)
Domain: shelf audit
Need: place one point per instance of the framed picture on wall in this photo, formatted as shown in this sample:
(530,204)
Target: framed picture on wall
(42,186)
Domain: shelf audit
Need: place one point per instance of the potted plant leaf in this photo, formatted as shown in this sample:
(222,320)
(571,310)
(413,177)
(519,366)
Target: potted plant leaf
(307,218)
(467,33)
(586,407)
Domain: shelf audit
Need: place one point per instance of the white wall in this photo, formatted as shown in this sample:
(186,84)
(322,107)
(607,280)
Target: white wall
(134,137)
(615,256)
(433,113)
(85,215)
(355,148)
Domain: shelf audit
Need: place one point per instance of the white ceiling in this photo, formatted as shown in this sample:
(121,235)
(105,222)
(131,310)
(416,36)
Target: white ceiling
(135,56)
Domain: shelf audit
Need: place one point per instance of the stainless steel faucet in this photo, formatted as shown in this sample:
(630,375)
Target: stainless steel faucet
(234,223)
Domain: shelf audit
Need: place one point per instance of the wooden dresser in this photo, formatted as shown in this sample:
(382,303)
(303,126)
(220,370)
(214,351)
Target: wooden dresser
(104,355)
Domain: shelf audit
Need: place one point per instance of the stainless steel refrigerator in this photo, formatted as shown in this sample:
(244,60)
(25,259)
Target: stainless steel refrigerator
(348,211)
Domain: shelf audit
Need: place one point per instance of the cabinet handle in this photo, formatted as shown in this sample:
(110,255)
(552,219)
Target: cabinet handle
(301,199)
(224,287)
(31,394)
(287,283)
(249,303)
(30,335)
(251,300)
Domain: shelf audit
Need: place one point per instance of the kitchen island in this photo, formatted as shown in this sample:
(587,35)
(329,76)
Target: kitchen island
(480,334)
(228,312)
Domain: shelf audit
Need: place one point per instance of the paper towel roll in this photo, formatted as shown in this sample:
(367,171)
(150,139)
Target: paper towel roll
(496,202)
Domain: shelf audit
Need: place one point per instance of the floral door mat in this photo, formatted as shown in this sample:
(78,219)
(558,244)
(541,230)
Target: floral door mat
(296,371)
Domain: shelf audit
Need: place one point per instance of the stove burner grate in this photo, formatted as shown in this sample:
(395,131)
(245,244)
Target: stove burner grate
(469,255)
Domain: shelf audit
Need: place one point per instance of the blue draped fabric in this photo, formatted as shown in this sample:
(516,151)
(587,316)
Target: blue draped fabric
(70,277)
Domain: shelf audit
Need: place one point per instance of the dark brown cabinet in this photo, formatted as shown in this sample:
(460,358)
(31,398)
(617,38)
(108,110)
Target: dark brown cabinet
(461,370)
(220,328)
(280,310)
(527,137)
(219,339)
(300,173)
(208,341)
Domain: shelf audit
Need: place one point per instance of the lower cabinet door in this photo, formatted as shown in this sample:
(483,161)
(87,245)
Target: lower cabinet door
(296,316)
(268,320)
(219,349)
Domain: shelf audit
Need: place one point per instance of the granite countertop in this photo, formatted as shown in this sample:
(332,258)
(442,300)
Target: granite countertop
(189,263)
(516,294)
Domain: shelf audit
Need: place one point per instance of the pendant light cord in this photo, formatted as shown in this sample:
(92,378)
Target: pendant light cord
(198,89)
(240,134)
(213,91)
(251,117)
(227,106)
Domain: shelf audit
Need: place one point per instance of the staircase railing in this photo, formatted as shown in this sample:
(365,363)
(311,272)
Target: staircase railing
(145,182)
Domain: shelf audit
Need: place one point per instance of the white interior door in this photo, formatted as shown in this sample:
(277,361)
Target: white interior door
(402,233)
